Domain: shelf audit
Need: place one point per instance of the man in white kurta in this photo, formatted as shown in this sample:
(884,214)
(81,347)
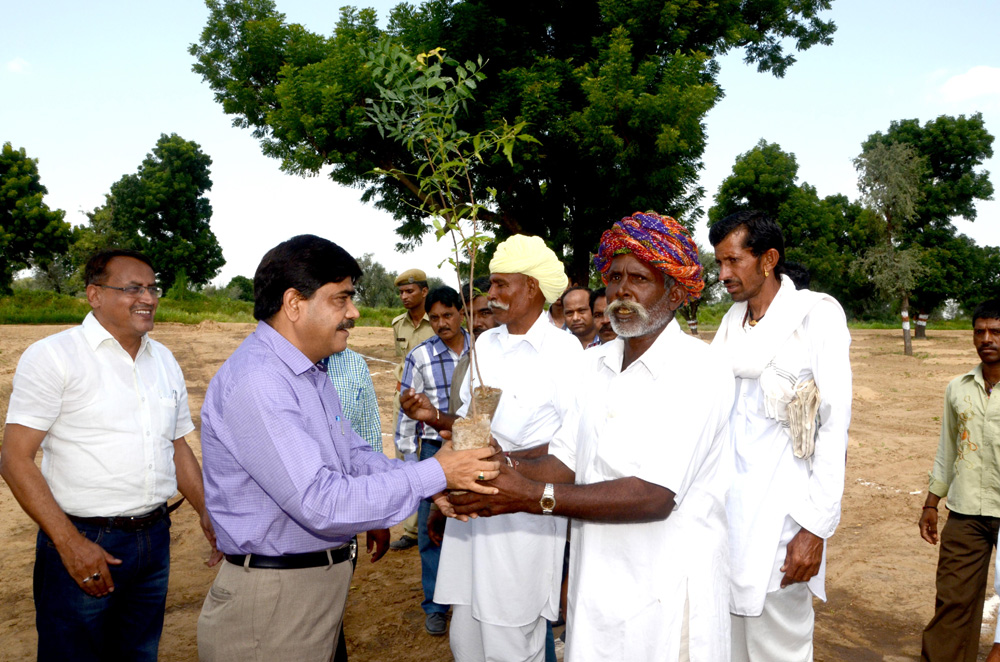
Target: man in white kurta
(483,560)
(640,465)
(789,461)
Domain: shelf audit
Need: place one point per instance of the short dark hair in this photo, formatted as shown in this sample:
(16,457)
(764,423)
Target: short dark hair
(96,271)
(798,273)
(763,234)
(987,310)
(304,263)
(577,288)
(480,288)
(444,295)
(600,292)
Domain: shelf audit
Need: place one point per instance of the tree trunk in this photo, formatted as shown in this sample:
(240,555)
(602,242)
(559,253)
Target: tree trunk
(690,311)
(905,313)
(921,330)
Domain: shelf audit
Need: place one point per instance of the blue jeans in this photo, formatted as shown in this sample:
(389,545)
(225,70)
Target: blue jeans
(124,625)
(430,554)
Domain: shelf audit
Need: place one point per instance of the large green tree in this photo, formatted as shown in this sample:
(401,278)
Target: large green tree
(616,91)
(953,149)
(162,211)
(31,234)
(889,180)
(377,286)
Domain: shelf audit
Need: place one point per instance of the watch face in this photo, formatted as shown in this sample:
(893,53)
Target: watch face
(548,503)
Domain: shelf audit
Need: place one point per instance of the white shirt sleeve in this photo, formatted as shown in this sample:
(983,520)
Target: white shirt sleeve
(36,398)
(831,366)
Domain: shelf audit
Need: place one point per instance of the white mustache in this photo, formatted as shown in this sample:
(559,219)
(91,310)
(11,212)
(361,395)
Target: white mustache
(628,306)
(496,305)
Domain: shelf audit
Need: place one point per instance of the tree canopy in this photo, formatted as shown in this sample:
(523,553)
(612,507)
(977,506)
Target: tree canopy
(30,232)
(820,234)
(616,92)
(952,148)
(162,211)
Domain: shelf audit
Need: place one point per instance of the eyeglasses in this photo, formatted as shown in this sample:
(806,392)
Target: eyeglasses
(137,290)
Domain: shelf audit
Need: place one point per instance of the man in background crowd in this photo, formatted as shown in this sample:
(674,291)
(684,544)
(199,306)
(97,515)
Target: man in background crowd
(482,320)
(966,472)
(605,332)
(409,330)
(578,309)
(349,374)
(429,369)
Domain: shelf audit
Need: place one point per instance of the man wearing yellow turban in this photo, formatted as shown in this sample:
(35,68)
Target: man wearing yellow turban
(502,575)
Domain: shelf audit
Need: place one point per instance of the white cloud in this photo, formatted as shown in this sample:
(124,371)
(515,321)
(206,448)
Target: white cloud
(18,66)
(980,82)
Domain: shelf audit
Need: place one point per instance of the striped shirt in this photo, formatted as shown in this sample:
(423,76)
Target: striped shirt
(428,369)
(350,376)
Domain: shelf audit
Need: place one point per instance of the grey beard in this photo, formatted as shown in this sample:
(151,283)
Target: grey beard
(645,322)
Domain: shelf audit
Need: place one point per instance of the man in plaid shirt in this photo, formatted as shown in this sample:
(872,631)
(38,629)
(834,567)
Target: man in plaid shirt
(429,369)
(349,373)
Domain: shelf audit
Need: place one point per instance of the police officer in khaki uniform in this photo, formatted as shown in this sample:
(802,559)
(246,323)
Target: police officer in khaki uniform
(409,329)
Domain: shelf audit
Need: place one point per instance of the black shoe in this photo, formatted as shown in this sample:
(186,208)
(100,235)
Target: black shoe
(436,624)
(406,542)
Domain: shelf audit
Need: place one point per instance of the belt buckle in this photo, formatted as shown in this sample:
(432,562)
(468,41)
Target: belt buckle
(354,548)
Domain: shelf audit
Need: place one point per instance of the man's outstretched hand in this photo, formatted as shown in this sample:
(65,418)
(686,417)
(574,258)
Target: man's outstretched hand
(417,406)
(467,470)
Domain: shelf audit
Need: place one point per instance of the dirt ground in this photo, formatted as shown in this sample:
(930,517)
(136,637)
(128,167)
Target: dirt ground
(880,578)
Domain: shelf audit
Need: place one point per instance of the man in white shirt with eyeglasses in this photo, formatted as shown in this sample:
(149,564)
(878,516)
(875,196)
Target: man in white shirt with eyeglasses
(108,407)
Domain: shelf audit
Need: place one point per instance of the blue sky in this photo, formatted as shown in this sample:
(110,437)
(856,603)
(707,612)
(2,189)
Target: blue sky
(87,89)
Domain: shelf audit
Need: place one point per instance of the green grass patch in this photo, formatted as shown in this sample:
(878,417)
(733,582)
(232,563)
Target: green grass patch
(377,316)
(42,307)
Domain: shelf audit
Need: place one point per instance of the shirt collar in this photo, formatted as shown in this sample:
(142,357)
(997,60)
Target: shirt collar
(534,337)
(95,334)
(289,354)
(653,359)
(439,348)
(977,376)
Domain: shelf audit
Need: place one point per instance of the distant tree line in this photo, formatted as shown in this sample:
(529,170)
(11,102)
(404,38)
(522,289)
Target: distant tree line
(160,210)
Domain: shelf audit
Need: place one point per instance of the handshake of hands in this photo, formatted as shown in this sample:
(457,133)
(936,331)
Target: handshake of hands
(493,486)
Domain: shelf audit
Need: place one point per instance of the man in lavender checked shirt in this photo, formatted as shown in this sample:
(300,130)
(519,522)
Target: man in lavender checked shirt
(287,482)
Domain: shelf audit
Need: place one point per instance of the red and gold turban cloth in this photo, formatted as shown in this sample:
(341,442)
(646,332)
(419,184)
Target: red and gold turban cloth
(660,242)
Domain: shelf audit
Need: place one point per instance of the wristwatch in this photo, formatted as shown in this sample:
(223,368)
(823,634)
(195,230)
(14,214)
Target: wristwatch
(548,500)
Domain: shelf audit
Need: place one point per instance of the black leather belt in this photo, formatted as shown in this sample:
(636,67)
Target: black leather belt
(296,561)
(129,523)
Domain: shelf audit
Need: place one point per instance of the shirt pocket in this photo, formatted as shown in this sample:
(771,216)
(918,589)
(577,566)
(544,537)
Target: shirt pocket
(516,415)
(167,412)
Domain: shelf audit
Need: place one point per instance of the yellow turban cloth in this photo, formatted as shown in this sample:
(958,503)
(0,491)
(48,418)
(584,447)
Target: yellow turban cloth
(530,256)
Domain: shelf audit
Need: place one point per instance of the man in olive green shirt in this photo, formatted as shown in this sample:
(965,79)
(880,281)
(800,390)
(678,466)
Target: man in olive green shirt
(967,473)
(409,330)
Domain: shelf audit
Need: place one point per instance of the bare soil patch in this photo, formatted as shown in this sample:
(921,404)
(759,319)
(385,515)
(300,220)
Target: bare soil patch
(880,578)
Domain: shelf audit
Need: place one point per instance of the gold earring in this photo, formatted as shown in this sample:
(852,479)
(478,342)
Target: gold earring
(765,273)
